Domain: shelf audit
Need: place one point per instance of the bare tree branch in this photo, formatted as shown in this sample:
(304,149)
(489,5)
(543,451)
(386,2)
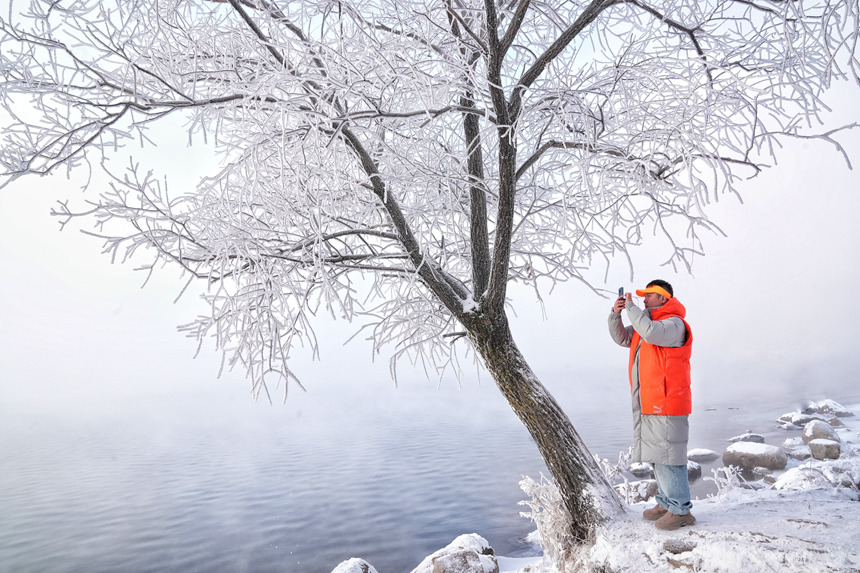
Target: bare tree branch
(588,15)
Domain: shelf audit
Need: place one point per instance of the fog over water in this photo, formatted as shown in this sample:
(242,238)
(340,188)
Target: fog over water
(120,451)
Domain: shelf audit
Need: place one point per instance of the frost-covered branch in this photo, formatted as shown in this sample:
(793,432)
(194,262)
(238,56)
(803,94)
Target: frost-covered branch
(583,20)
(689,32)
(401,162)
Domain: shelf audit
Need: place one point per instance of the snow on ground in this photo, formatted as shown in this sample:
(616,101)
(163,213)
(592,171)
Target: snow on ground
(767,530)
(809,525)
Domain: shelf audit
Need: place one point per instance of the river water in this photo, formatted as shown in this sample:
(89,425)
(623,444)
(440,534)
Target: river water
(216,482)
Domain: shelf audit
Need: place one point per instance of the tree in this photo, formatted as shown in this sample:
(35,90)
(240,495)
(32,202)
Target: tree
(399,163)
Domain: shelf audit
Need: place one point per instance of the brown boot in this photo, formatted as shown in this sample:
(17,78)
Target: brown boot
(654,513)
(672,521)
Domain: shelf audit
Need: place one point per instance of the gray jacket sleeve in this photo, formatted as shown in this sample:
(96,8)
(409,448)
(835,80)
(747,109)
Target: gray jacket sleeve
(669,332)
(622,335)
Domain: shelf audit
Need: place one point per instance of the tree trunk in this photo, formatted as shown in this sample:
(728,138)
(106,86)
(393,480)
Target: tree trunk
(587,494)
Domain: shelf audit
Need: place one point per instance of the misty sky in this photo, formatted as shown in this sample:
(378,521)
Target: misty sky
(772,304)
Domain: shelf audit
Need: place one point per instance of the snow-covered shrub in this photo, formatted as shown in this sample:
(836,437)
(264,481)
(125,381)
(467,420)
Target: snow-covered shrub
(727,479)
(616,473)
(552,519)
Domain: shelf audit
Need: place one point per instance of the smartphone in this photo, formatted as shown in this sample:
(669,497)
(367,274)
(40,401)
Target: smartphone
(620,292)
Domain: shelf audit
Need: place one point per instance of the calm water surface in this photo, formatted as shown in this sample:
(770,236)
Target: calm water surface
(218,483)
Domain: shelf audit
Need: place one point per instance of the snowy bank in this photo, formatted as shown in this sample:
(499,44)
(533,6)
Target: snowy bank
(803,518)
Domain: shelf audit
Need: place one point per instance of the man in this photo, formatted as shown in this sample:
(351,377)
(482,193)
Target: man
(660,341)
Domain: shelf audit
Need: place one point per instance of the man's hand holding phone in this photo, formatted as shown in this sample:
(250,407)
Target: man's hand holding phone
(620,301)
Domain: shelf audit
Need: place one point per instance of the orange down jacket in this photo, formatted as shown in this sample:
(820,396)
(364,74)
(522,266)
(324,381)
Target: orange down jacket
(664,372)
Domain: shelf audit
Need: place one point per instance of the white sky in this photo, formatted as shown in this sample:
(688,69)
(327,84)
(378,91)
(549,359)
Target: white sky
(771,304)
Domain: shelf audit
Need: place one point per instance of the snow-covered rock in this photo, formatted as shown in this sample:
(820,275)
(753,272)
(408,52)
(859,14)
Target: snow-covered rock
(796,420)
(828,407)
(793,442)
(752,454)
(641,470)
(694,470)
(759,471)
(818,430)
(465,561)
(468,553)
(354,565)
(678,546)
(800,454)
(802,478)
(748,437)
(825,449)
(796,449)
(825,410)
(702,455)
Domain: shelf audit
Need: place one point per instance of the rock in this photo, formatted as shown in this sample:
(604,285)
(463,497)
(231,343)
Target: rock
(796,449)
(760,472)
(694,470)
(677,546)
(637,491)
(799,454)
(354,565)
(826,411)
(641,470)
(702,455)
(792,443)
(803,478)
(466,554)
(828,407)
(825,449)
(465,561)
(748,437)
(750,454)
(799,419)
(818,430)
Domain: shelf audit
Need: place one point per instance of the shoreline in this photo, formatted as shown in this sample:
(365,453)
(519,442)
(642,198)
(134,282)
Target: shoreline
(794,511)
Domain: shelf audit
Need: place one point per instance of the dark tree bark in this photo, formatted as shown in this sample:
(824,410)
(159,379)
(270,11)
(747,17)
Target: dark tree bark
(587,495)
